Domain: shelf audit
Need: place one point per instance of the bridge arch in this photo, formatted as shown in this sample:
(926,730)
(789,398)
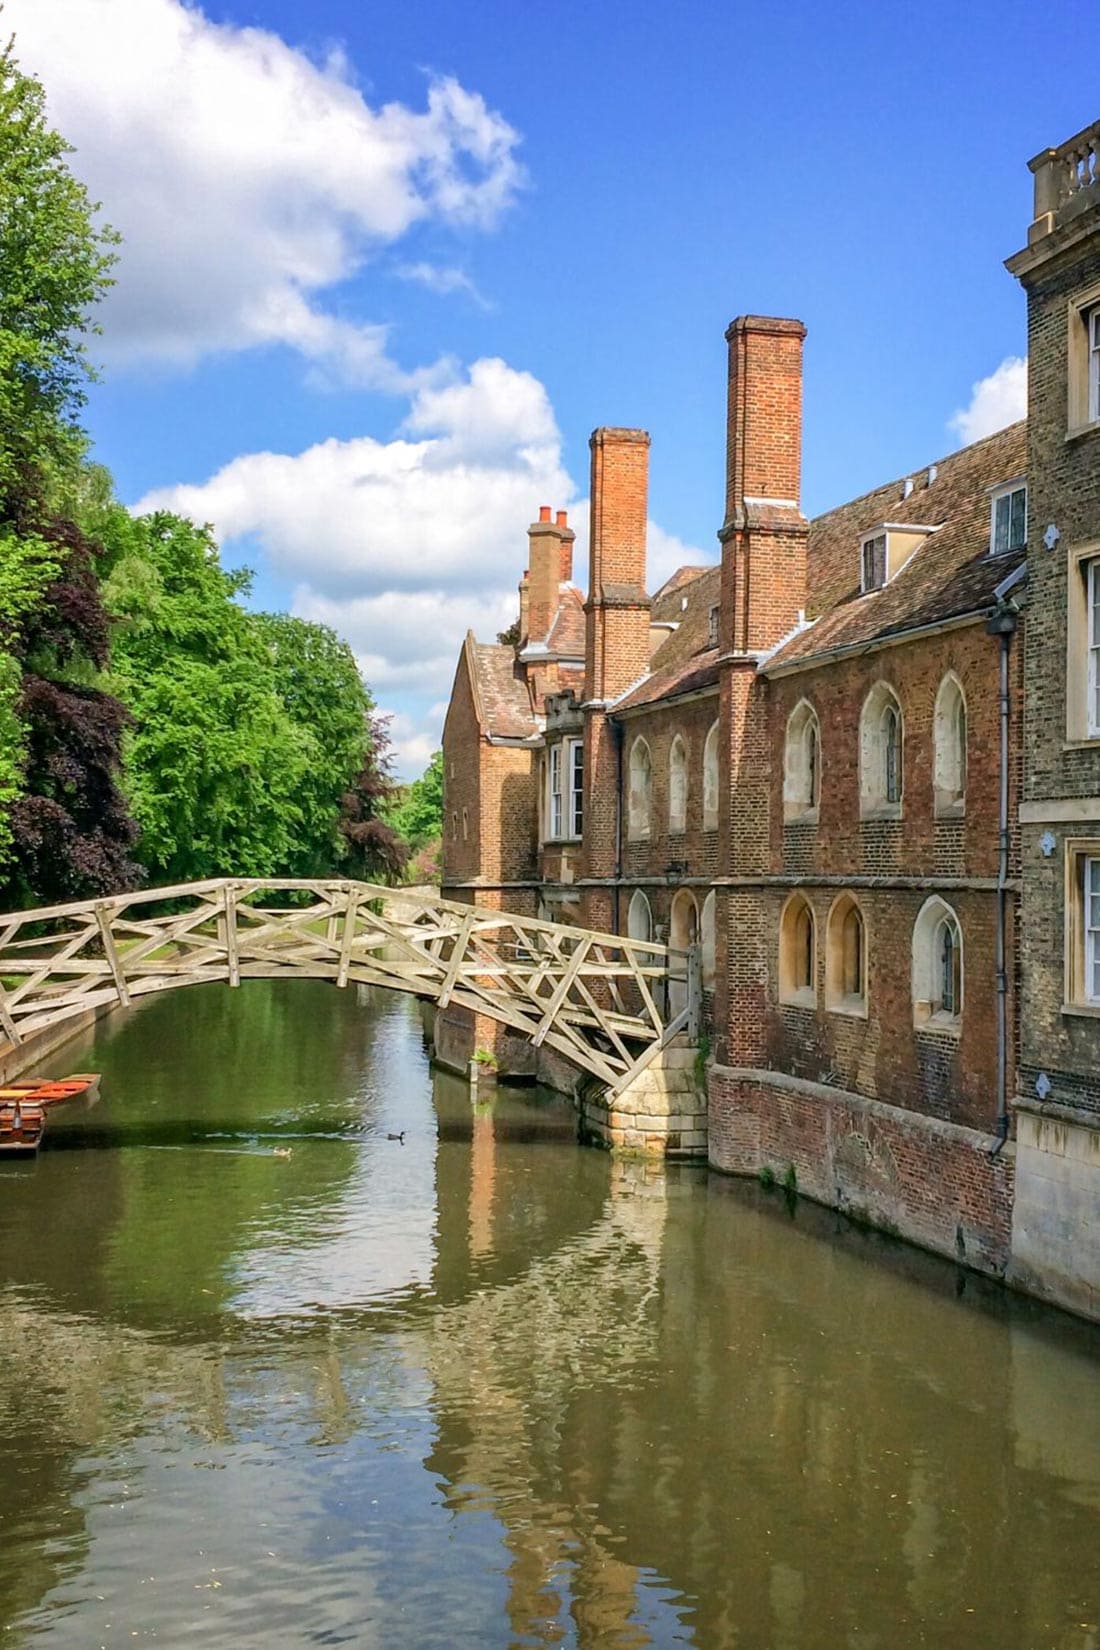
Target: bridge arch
(598,999)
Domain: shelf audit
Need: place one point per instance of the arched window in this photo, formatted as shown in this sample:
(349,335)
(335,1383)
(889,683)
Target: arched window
(639,917)
(881,750)
(677,786)
(641,789)
(797,953)
(710,780)
(949,728)
(802,764)
(937,966)
(683,933)
(706,941)
(846,957)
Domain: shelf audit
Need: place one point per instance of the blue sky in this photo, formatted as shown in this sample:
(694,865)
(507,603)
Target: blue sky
(386,266)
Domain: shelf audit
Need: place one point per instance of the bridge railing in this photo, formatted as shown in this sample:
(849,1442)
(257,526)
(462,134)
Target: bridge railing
(606,1001)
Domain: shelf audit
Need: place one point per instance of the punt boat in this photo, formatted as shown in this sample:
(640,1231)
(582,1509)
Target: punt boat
(21,1127)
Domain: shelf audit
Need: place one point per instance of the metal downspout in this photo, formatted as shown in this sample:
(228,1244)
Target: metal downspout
(617,734)
(1002,624)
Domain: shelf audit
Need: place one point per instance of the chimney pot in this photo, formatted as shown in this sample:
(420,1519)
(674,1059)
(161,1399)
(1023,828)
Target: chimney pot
(563,518)
(544,512)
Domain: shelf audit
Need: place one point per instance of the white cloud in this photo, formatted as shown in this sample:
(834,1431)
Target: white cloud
(444,511)
(247,179)
(403,546)
(443,280)
(995,401)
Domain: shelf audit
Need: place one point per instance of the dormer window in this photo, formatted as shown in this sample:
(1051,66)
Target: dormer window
(1009,524)
(874,562)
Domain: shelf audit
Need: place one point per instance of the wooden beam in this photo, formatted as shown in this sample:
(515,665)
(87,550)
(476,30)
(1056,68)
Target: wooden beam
(349,937)
(233,967)
(561,991)
(457,956)
(110,951)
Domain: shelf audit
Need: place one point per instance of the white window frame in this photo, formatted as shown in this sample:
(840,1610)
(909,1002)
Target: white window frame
(868,544)
(1092,322)
(1005,495)
(576,787)
(1092,641)
(555,802)
(1090,928)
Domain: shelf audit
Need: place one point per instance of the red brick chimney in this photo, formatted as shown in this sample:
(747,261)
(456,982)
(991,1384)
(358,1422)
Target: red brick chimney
(764,533)
(551,551)
(617,648)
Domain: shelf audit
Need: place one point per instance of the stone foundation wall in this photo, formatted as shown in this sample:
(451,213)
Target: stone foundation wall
(662,1114)
(1056,1220)
(930,1181)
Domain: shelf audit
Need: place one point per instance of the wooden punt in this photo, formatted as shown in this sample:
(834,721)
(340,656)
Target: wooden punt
(22,1124)
(48,1091)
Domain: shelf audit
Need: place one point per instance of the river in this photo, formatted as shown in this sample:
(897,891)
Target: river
(481,1386)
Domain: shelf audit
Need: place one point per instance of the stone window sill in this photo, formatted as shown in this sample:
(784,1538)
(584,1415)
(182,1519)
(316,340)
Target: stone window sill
(945,1025)
(948,811)
(799,815)
(1086,742)
(880,810)
(854,1007)
(804,997)
(1087,1011)
(677,830)
(710,829)
(1078,430)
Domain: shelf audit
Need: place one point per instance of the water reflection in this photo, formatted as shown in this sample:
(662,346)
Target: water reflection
(482,1387)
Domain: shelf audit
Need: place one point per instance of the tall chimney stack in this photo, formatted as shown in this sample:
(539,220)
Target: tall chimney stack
(550,563)
(764,529)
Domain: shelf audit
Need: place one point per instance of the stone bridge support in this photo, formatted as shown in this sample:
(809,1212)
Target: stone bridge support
(661,1112)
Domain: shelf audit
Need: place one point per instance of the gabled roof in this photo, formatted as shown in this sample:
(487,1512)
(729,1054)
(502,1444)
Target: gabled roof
(952,574)
(566,638)
(685,662)
(501,699)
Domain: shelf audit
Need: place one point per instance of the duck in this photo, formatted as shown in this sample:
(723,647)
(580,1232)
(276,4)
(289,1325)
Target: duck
(400,1138)
(282,1151)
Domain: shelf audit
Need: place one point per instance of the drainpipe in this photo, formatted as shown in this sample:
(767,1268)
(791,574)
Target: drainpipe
(617,735)
(1002,624)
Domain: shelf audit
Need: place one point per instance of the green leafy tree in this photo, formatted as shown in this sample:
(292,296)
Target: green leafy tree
(216,765)
(318,682)
(55,263)
(418,813)
(63,829)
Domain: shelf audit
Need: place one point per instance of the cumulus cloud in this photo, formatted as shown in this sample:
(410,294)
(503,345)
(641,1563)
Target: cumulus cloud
(249,180)
(363,516)
(995,401)
(404,545)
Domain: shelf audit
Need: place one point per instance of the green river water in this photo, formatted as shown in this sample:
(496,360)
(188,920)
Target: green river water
(484,1387)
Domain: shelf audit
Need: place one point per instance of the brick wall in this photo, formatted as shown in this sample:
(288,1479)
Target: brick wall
(933,1183)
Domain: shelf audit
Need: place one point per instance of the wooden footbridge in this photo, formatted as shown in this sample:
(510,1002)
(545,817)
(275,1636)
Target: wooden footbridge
(601,1000)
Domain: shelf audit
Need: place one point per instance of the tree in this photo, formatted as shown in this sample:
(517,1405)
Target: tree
(373,850)
(64,830)
(55,264)
(315,676)
(418,813)
(216,766)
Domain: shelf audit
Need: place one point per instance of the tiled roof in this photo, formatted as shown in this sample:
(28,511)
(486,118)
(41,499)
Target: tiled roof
(952,572)
(666,606)
(503,702)
(685,660)
(566,636)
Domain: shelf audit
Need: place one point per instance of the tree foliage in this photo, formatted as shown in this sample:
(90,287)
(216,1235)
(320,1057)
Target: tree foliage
(418,812)
(55,263)
(64,830)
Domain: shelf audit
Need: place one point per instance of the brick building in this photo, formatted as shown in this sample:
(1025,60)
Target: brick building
(811,760)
